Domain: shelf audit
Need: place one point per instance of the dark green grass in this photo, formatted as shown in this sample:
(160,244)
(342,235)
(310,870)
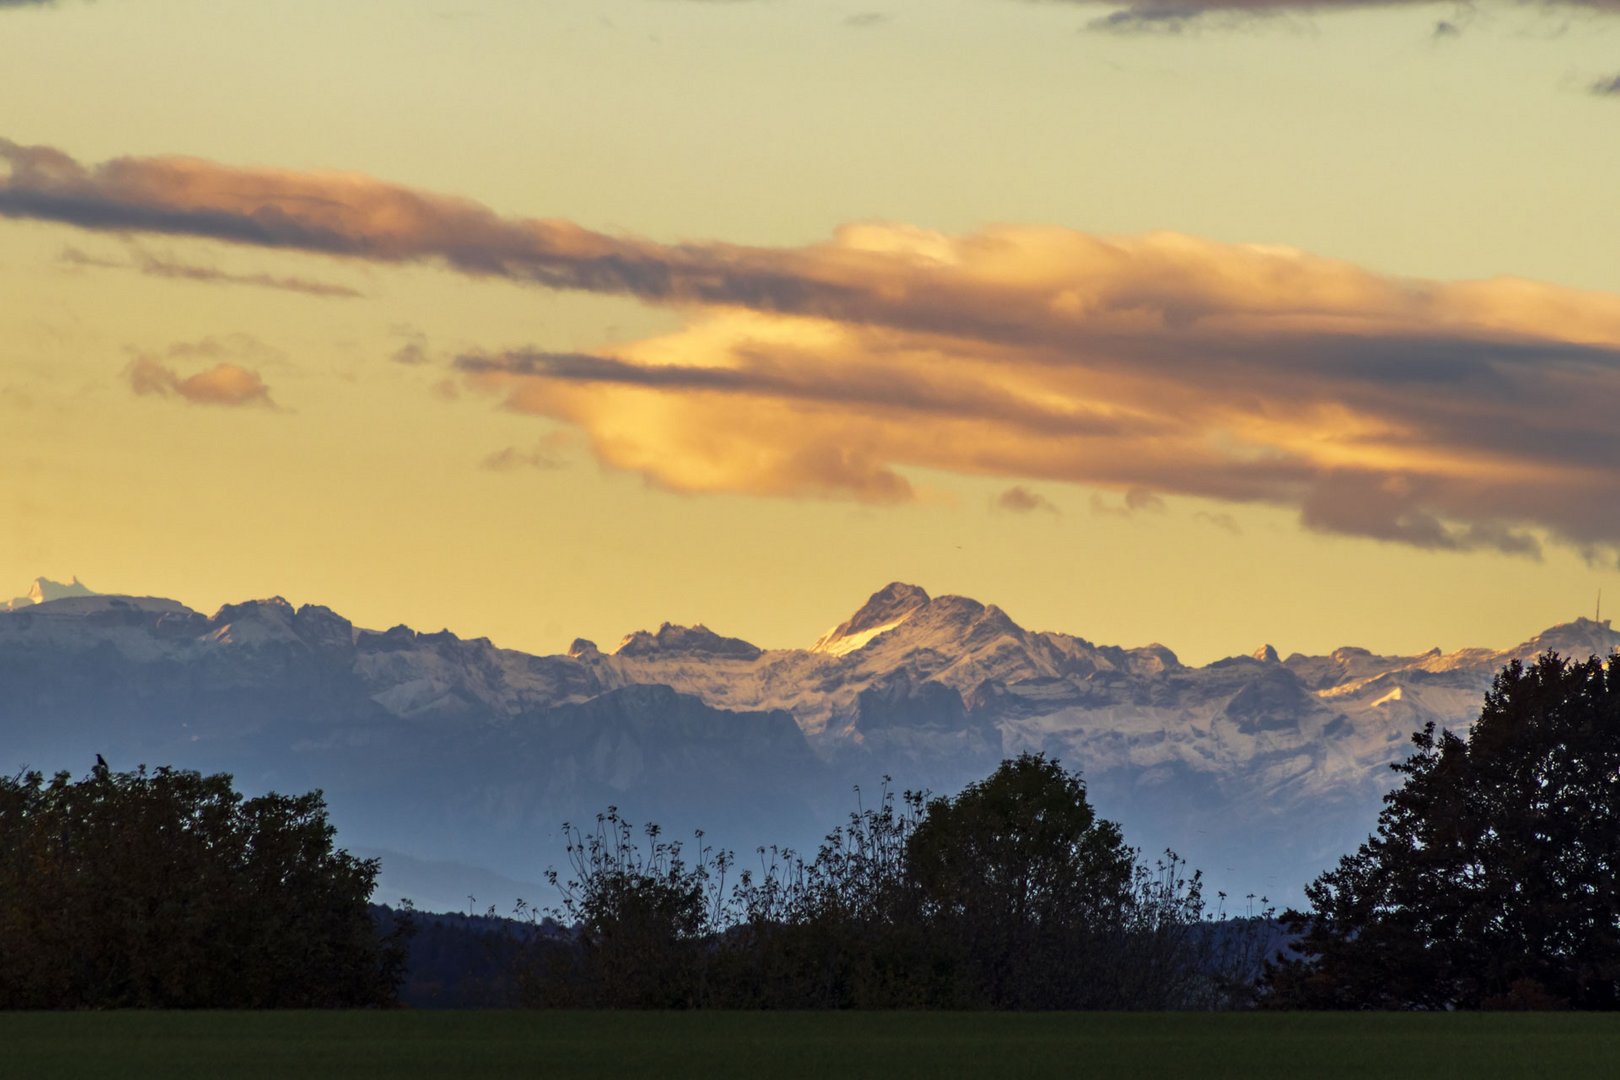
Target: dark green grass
(362,1045)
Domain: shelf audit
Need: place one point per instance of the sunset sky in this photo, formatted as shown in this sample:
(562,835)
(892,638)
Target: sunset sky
(1212,323)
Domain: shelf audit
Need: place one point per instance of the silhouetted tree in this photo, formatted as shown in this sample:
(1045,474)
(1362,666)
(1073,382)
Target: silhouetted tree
(1494,878)
(168,889)
(1018,877)
(641,919)
(1035,902)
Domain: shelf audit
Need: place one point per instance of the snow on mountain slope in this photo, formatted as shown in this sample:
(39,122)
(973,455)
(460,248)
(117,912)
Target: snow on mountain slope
(887,609)
(952,640)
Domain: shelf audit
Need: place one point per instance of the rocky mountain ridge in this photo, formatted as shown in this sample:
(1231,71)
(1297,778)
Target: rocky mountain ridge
(1268,766)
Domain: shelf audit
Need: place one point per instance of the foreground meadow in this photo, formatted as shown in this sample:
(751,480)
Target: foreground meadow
(404,1044)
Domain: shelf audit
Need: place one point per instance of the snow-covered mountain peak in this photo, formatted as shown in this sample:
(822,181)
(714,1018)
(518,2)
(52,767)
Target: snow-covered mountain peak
(696,640)
(883,611)
(44,590)
(1266,654)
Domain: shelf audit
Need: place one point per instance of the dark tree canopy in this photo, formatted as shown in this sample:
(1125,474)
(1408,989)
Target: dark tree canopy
(168,889)
(1024,882)
(1494,878)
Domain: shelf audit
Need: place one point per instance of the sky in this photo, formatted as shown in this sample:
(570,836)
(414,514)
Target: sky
(1207,322)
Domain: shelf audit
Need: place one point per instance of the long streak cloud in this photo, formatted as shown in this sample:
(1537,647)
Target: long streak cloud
(1130,15)
(1447,415)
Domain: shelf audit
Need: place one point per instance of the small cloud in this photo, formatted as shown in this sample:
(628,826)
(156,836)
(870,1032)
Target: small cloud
(1599,556)
(1021,500)
(1140,498)
(868,18)
(232,346)
(548,453)
(1137,500)
(153,266)
(149,265)
(72,256)
(1494,537)
(225,383)
(1607,87)
(1179,16)
(413,352)
(1220,521)
(511,459)
(222,384)
(1142,21)
(447,390)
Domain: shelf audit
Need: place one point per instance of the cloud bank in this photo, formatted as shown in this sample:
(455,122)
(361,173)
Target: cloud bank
(1445,415)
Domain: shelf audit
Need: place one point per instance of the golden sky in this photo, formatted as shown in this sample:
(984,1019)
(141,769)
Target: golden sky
(1211,323)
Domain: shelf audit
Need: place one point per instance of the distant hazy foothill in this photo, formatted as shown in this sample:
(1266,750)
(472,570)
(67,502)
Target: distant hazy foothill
(1261,769)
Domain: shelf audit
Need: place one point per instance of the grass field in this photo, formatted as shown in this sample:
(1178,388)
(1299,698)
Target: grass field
(360,1045)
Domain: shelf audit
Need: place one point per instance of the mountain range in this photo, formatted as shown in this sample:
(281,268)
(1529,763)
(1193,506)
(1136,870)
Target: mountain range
(451,756)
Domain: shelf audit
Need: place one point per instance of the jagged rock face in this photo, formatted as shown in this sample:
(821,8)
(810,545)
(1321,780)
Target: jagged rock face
(1254,766)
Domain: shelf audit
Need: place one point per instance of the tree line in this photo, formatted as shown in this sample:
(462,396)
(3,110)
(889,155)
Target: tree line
(1012,894)
(168,889)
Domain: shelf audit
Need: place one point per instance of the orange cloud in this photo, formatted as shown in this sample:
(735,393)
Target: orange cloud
(222,384)
(1446,415)
(1459,436)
